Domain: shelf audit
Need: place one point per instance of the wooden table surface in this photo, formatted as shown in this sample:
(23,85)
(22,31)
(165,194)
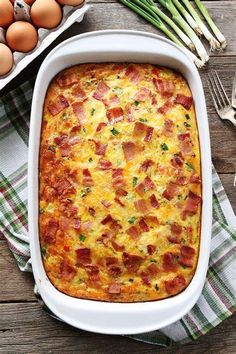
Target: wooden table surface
(24,327)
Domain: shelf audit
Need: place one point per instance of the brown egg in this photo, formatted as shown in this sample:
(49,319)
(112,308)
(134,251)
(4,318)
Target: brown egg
(6,13)
(46,13)
(22,36)
(29,2)
(70,2)
(6,59)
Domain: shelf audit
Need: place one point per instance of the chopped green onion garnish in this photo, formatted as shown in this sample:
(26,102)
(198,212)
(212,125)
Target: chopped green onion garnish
(135,181)
(93,111)
(153,261)
(131,280)
(114,132)
(144,120)
(84,129)
(164,147)
(189,166)
(156,287)
(44,250)
(41,210)
(85,191)
(187,124)
(82,237)
(132,219)
(90,159)
(136,103)
(187,116)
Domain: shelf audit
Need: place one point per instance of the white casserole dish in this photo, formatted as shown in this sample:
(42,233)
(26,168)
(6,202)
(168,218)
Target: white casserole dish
(97,316)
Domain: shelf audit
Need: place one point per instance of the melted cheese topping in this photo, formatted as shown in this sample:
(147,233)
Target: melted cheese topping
(120,202)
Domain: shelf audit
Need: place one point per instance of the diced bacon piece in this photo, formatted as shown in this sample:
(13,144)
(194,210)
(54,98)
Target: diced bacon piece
(106,203)
(149,133)
(91,211)
(145,186)
(134,232)
(142,206)
(171,191)
(66,248)
(185,101)
(104,165)
(151,249)
(129,111)
(77,224)
(176,231)
(93,271)
(191,205)
(101,126)
(132,261)
(153,269)
(177,160)
(68,79)
(58,105)
(50,231)
(58,140)
(117,178)
(101,90)
(114,289)
(107,219)
(67,272)
(145,278)
(142,94)
(195,179)
(86,226)
(100,148)
(165,107)
(106,237)
(169,262)
(78,110)
(75,129)
(185,144)
(168,127)
(152,220)
(164,87)
(145,165)
(87,178)
(111,261)
(64,187)
(114,270)
(181,181)
(129,150)
(118,201)
(154,202)
(133,74)
(83,256)
(113,101)
(49,193)
(143,226)
(156,72)
(117,247)
(186,256)
(65,149)
(154,100)
(175,285)
(79,93)
(121,193)
(115,114)
(139,129)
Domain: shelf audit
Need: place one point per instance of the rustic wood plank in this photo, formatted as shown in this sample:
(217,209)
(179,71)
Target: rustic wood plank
(14,284)
(25,328)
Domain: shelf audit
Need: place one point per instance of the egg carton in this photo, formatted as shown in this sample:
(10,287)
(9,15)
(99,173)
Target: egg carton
(45,38)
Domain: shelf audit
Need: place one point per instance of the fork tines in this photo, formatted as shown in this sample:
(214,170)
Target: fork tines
(218,93)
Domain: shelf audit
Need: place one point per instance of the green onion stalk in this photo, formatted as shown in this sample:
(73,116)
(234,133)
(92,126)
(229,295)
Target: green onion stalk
(155,10)
(212,25)
(214,44)
(188,17)
(158,23)
(168,4)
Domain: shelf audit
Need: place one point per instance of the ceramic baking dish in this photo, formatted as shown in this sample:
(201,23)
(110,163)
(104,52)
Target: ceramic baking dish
(105,317)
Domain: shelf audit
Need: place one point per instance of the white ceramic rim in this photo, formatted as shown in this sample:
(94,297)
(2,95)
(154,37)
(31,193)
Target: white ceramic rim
(105,317)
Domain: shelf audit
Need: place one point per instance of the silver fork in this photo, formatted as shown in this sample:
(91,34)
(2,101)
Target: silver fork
(220,98)
(234,92)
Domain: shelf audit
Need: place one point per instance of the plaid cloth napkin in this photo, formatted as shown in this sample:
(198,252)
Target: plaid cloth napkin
(218,299)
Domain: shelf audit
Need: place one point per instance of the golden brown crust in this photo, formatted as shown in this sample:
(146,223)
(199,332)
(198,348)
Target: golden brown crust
(120,183)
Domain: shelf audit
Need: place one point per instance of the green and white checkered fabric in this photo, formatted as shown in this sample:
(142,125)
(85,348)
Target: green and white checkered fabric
(218,299)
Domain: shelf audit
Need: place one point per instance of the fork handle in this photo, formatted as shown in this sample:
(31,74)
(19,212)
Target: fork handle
(232,120)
